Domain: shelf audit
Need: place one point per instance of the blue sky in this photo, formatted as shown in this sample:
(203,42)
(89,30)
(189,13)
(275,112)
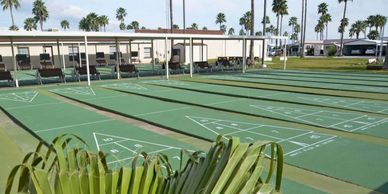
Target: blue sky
(152,13)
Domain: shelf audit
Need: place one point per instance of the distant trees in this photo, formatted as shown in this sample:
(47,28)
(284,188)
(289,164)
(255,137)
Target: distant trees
(30,24)
(194,26)
(344,23)
(11,4)
(121,13)
(231,31)
(40,11)
(324,19)
(65,25)
(221,19)
(103,21)
(356,28)
(134,25)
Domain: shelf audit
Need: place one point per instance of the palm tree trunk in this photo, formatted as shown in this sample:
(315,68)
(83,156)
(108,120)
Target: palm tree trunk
(277,31)
(251,54)
(304,26)
(327,30)
(342,34)
(171,26)
(386,58)
(281,29)
(13,21)
(41,25)
(301,31)
(264,26)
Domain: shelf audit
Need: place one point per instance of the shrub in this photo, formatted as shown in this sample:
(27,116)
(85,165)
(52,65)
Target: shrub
(332,51)
(231,167)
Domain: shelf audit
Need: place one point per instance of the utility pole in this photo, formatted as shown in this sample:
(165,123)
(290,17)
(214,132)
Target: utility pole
(184,30)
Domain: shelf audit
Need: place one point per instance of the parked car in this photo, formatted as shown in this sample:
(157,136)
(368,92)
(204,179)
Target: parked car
(370,51)
(356,52)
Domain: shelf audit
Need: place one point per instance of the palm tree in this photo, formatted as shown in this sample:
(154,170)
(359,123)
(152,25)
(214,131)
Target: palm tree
(135,25)
(342,30)
(259,33)
(90,23)
(83,25)
(373,35)
(175,26)
(357,28)
(30,24)
(65,24)
(283,10)
(276,9)
(13,28)
(220,19)
(103,21)
(40,11)
(267,20)
(366,25)
(319,30)
(326,18)
(323,8)
(194,26)
(121,13)
(242,32)
(204,28)
(344,23)
(231,31)
(380,22)
(10,4)
(252,29)
(122,26)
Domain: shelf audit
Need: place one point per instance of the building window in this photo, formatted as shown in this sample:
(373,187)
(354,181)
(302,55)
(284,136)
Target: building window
(147,52)
(112,50)
(23,51)
(73,53)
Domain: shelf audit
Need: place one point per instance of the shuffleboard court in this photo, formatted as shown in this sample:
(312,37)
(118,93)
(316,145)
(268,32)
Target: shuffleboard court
(373,106)
(303,147)
(48,118)
(317,80)
(344,76)
(331,86)
(371,76)
(317,116)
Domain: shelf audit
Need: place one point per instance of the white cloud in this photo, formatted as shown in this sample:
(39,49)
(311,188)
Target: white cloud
(58,9)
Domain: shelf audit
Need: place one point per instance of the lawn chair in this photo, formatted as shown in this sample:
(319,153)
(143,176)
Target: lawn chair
(45,61)
(202,65)
(173,68)
(47,73)
(128,69)
(100,59)
(79,71)
(23,62)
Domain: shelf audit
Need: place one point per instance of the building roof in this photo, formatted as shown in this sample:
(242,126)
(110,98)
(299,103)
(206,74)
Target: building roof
(181,31)
(364,42)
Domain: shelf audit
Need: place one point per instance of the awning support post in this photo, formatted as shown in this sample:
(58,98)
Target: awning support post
(191,56)
(244,55)
(15,69)
(87,60)
(167,57)
(118,59)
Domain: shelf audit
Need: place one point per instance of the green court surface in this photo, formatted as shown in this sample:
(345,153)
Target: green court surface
(316,79)
(317,116)
(47,118)
(373,106)
(337,76)
(348,74)
(327,154)
(331,86)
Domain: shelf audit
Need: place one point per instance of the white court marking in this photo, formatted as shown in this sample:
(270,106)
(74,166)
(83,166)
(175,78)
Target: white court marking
(115,145)
(249,130)
(166,82)
(86,91)
(128,86)
(344,121)
(354,104)
(27,96)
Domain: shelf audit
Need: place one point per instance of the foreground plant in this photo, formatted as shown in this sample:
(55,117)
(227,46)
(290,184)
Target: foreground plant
(228,167)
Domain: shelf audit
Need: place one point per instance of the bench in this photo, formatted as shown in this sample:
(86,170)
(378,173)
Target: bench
(2,67)
(129,69)
(202,65)
(6,75)
(54,72)
(24,65)
(78,71)
(46,65)
(174,67)
(374,67)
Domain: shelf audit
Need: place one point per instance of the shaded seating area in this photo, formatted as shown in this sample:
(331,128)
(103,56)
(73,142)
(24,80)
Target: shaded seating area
(45,61)
(82,71)
(4,73)
(173,68)
(202,65)
(23,62)
(100,59)
(126,69)
(49,73)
